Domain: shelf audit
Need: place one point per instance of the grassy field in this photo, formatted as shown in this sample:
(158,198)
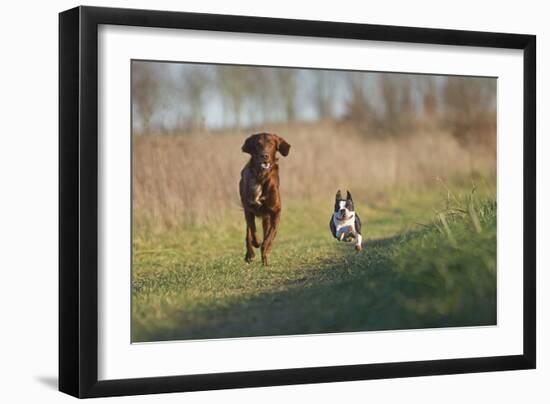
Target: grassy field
(429,261)
(171,174)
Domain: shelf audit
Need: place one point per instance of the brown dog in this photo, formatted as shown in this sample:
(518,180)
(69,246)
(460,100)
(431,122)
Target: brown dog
(259,190)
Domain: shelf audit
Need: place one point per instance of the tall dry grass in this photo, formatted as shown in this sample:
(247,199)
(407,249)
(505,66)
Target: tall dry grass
(193,179)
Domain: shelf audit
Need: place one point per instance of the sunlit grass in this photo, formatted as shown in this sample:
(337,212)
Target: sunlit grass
(415,271)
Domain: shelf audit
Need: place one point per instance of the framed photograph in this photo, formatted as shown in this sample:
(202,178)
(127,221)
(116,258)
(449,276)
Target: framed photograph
(250,201)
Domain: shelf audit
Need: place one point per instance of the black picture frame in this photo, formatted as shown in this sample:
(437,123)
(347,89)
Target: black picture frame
(78,201)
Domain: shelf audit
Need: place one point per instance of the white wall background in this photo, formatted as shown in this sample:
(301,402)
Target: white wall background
(28,199)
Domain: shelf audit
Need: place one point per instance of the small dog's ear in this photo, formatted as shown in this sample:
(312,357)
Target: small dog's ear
(348,196)
(338,195)
(283,146)
(248,145)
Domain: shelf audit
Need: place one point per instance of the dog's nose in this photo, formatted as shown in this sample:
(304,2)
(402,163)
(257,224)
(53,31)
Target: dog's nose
(265,156)
(342,212)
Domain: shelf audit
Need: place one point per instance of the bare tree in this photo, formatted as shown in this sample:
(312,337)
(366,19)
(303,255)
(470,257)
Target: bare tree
(358,107)
(145,92)
(286,80)
(469,105)
(467,95)
(406,104)
(193,83)
(262,102)
(235,86)
(397,101)
(323,93)
(390,98)
(429,96)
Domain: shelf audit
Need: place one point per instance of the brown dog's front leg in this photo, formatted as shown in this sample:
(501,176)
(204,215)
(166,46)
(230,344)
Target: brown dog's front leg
(265,225)
(251,222)
(270,234)
(251,238)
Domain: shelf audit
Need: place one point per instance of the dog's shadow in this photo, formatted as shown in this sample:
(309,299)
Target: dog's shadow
(385,242)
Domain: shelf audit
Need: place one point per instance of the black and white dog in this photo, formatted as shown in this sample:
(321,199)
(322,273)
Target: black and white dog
(345,224)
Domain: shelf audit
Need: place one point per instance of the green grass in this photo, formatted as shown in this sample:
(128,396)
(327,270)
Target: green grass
(429,261)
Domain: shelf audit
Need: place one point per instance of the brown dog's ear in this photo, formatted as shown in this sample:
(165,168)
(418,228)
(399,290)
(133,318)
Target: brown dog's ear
(282,146)
(248,145)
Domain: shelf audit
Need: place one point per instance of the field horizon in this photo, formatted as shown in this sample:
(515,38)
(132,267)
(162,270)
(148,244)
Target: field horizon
(172,172)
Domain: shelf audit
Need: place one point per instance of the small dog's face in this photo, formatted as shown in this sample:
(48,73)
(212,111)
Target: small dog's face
(343,208)
(263,147)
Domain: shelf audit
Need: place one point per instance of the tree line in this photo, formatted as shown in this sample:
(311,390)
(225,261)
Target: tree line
(180,98)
